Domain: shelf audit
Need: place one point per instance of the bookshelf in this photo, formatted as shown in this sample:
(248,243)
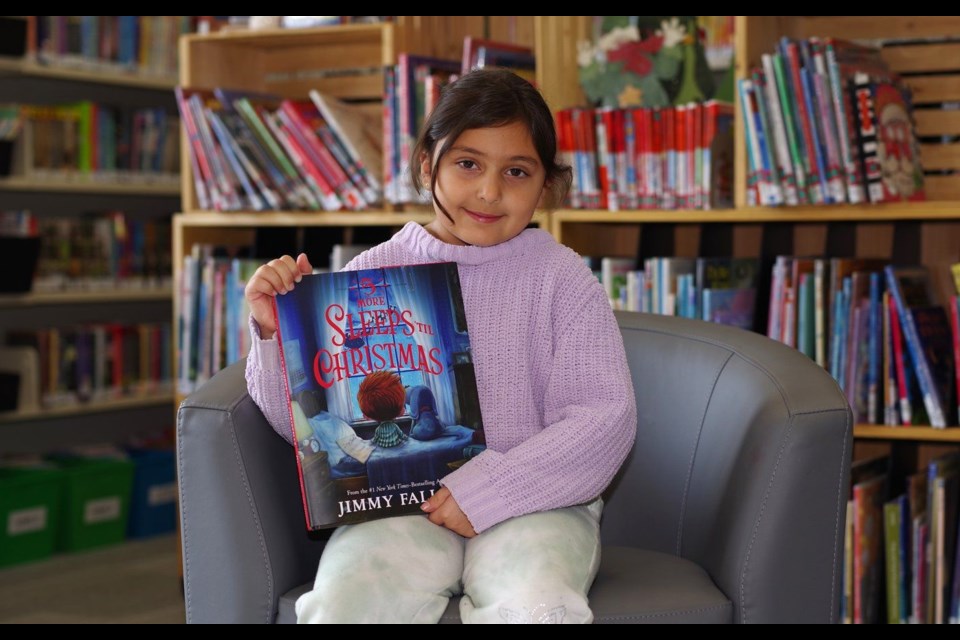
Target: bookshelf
(42,79)
(906,233)
(925,232)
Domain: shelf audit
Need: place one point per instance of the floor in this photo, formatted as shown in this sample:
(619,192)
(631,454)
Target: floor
(135,582)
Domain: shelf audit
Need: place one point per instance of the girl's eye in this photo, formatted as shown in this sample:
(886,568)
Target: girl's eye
(467,164)
(516,172)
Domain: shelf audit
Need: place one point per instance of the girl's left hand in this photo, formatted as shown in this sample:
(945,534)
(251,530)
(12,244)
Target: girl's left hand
(445,511)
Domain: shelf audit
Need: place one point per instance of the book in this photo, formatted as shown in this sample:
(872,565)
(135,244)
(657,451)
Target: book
(481,52)
(359,130)
(926,332)
(897,145)
(868,486)
(381,389)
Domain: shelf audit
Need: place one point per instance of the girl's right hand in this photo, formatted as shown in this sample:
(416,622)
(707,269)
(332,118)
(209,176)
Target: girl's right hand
(277,276)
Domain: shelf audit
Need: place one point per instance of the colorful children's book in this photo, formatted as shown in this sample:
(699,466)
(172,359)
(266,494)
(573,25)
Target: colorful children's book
(381,388)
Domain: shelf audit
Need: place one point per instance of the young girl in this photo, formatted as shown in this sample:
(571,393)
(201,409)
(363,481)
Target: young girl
(515,530)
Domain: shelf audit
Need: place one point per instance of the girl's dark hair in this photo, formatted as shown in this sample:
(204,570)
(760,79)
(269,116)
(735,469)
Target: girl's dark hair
(491,98)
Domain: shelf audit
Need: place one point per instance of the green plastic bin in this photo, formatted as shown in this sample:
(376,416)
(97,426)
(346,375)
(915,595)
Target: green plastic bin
(30,501)
(96,502)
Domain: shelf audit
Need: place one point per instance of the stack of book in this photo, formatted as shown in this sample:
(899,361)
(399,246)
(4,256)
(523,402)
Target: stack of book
(260,152)
(828,122)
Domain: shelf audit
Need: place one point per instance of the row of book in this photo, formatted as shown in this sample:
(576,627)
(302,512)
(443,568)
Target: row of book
(93,362)
(213,311)
(826,121)
(721,290)
(258,152)
(102,250)
(212,315)
(901,549)
(91,141)
(677,157)
(144,44)
(878,329)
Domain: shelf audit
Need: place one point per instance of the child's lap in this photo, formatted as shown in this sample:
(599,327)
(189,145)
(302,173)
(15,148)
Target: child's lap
(418,554)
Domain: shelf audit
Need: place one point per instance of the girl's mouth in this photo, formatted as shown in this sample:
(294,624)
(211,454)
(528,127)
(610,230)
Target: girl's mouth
(481,217)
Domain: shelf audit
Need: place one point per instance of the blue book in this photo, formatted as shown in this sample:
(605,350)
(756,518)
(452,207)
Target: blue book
(927,335)
(381,388)
(874,352)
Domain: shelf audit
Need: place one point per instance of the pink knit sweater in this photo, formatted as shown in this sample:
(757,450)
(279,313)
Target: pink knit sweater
(556,397)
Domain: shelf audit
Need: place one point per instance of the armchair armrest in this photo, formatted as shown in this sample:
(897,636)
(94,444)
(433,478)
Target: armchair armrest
(243,531)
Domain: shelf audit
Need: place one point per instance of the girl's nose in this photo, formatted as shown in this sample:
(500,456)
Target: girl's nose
(489,190)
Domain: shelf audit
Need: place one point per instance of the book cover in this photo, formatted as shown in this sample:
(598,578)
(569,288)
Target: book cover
(868,486)
(381,389)
(482,52)
(897,146)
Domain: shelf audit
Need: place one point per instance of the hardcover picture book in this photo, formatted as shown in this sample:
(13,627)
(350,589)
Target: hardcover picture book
(381,389)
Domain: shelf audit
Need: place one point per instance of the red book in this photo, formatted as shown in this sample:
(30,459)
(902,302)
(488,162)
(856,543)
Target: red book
(906,414)
(304,122)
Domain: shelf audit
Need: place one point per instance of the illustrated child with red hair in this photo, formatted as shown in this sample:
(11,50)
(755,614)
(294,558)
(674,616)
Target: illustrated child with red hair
(381,397)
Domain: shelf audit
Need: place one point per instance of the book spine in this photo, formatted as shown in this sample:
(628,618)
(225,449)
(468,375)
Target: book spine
(298,126)
(816,135)
(873,359)
(201,171)
(232,153)
(632,141)
(867,136)
(890,417)
(221,173)
(605,161)
(846,136)
(928,388)
(903,390)
(792,60)
(826,123)
(345,141)
(793,135)
(314,184)
(891,538)
(770,143)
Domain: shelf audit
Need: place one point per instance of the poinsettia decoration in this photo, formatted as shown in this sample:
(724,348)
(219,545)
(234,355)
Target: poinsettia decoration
(623,70)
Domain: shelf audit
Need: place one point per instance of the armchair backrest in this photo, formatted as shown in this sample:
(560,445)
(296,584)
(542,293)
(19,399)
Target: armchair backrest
(741,464)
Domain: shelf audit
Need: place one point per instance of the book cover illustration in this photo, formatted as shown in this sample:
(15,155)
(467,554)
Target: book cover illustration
(381,388)
(897,146)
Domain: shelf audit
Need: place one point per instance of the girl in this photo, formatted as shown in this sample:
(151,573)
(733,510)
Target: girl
(516,529)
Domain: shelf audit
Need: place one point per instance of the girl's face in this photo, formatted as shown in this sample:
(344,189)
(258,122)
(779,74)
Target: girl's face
(490,182)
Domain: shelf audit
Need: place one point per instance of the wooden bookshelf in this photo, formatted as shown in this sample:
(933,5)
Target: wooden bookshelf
(119,404)
(92,72)
(126,187)
(38,78)
(921,434)
(106,296)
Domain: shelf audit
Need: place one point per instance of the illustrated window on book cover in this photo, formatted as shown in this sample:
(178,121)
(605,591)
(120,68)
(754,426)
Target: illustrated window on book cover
(381,386)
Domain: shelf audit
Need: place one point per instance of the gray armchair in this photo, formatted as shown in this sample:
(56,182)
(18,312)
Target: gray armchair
(730,509)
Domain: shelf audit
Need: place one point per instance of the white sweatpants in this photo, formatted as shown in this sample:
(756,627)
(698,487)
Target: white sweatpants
(533,569)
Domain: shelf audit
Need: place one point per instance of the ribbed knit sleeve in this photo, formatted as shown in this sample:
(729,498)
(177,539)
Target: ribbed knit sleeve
(265,382)
(588,410)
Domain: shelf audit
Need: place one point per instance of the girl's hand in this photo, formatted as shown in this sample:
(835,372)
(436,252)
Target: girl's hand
(277,276)
(445,511)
